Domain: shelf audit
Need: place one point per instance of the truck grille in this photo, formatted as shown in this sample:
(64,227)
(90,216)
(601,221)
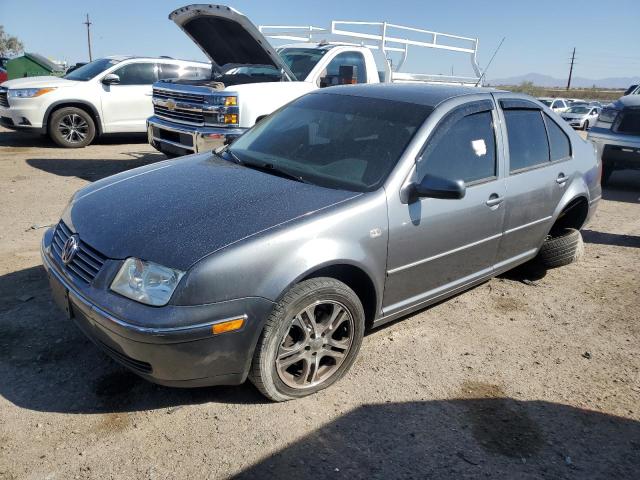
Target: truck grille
(166,94)
(87,261)
(194,118)
(629,121)
(4,101)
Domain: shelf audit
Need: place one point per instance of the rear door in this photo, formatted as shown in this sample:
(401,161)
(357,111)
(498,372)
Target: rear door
(534,182)
(127,105)
(436,245)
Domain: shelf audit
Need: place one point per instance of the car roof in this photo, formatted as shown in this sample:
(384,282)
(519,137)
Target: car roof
(420,94)
(122,58)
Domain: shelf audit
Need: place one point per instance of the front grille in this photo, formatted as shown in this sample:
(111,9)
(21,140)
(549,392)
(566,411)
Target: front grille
(87,261)
(132,363)
(629,121)
(166,94)
(4,101)
(195,118)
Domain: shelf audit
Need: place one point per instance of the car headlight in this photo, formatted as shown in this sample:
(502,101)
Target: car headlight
(146,282)
(29,92)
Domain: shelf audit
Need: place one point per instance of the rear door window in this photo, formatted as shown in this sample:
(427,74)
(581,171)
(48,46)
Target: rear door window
(137,74)
(527,136)
(559,143)
(343,63)
(463,147)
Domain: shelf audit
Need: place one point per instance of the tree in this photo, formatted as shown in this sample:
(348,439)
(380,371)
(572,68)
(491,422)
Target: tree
(9,46)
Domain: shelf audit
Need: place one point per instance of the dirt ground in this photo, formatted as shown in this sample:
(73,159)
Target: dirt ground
(526,376)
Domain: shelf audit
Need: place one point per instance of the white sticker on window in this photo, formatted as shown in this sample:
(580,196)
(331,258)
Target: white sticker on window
(479,147)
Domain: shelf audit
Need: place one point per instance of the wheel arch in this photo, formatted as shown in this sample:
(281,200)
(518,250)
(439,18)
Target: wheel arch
(573,214)
(355,278)
(82,104)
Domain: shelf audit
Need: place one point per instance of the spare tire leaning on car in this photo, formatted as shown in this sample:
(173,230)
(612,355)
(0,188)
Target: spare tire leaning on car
(561,249)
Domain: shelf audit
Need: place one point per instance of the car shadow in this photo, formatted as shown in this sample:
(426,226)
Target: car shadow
(616,239)
(11,138)
(482,434)
(93,169)
(47,364)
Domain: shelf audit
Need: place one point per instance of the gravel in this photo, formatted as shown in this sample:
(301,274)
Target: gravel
(530,375)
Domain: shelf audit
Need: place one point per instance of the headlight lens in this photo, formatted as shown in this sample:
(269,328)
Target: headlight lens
(29,92)
(146,282)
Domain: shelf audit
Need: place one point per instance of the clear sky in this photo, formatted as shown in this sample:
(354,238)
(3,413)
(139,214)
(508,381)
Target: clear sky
(539,34)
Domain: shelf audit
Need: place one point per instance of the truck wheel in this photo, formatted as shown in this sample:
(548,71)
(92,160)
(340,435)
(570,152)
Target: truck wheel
(561,250)
(72,127)
(310,340)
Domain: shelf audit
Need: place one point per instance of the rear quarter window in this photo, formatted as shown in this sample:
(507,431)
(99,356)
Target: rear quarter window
(559,143)
(528,144)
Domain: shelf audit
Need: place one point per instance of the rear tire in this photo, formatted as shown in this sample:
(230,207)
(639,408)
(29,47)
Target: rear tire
(310,340)
(72,127)
(561,250)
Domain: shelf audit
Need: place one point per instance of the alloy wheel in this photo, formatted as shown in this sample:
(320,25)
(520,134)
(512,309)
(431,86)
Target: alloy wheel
(316,343)
(73,128)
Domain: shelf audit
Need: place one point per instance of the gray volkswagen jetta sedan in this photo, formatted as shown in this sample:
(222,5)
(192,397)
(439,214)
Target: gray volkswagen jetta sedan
(349,207)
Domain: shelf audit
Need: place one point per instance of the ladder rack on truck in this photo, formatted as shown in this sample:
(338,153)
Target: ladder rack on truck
(386,38)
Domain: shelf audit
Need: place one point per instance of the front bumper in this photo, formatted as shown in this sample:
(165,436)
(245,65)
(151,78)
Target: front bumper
(180,356)
(178,139)
(616,150)
(574,122)
(22,114)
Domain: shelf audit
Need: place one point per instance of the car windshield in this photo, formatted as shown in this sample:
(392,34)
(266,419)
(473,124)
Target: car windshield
(334,141)
(302,60)
(90,70)
(578,110)
(546,102)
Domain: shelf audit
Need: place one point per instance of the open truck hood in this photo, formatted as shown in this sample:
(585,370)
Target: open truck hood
(226,36)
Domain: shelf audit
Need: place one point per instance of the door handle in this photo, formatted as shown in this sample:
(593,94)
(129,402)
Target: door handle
(562,179)
(494,199)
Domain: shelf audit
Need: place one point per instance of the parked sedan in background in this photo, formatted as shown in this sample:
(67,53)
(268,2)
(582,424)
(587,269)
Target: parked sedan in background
(347,208)
(109,95)
(558,105)
(581,116)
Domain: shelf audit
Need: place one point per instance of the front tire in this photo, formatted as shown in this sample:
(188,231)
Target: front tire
(72,127)
(310,340)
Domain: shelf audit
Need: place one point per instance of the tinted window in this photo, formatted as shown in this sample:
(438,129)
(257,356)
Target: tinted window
(465,150)
(557,104)
(559,144)
(90,70)
(331,75)
(527,136)
(137,74)
(546,102)
(336,141)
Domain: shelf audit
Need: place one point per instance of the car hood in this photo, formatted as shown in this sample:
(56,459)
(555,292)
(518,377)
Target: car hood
(38,82)
(178,211)
(226,36)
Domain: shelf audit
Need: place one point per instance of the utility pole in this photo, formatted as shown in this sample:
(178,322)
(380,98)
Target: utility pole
(88,24)
(573,57)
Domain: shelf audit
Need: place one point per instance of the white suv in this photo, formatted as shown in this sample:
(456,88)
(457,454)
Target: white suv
(109,95)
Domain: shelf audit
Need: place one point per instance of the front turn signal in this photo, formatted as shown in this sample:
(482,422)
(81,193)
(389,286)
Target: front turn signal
(228,326)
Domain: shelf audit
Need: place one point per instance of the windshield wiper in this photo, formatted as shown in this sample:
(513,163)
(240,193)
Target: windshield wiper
(272,169)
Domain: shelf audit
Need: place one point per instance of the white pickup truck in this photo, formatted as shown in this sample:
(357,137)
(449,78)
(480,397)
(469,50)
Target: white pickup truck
(251,79)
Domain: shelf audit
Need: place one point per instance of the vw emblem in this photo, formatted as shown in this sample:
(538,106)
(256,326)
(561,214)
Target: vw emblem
(70,248)
(171,104)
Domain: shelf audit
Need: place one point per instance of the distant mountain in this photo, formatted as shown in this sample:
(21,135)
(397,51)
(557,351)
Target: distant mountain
(541,80)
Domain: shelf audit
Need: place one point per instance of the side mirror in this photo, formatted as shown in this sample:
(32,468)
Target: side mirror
(111,79)
(438,187)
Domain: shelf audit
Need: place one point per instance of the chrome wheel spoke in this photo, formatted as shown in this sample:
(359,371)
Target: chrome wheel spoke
(341,344)
(289,359)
